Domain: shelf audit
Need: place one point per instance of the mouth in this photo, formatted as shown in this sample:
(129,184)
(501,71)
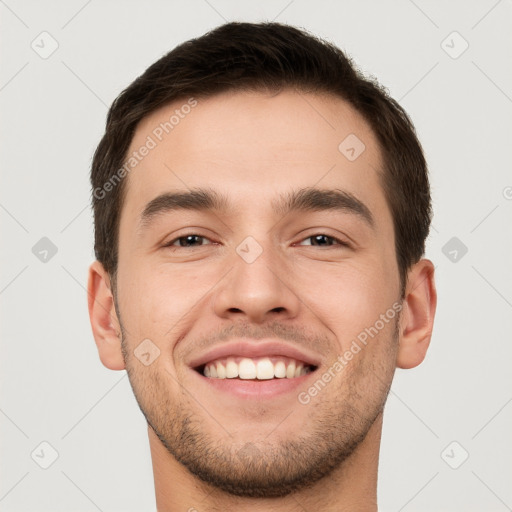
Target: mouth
(255,369)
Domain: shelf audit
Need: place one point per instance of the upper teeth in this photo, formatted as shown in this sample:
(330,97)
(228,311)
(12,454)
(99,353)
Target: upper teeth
(261,368)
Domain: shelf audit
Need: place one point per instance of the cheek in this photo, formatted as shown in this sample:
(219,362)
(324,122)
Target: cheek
(157,299)
(349,299)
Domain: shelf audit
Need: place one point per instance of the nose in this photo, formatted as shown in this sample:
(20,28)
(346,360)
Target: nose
(258,291)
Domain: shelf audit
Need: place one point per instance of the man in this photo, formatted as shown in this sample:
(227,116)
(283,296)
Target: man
(261,211)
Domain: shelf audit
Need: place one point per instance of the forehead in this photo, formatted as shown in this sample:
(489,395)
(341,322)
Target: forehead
(250,145)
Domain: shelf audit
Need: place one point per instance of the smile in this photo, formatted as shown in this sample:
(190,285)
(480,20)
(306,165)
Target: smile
(261,368)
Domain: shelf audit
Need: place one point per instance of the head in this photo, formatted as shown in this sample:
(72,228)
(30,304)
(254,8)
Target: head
(262,143)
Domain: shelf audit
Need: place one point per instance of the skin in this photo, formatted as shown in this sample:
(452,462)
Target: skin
(253,147)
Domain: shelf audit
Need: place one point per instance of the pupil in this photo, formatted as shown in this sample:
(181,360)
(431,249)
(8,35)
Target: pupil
(319,239)
(190,239)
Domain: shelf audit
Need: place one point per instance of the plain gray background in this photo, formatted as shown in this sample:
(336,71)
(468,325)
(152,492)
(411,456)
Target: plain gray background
(447,443)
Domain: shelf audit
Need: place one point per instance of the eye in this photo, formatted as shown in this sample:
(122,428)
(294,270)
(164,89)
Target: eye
(323,240)
(192,240)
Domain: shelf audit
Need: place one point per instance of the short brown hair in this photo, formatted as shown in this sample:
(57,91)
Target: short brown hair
(265,57)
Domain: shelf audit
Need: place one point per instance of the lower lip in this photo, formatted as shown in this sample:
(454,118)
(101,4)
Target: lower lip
(256,388)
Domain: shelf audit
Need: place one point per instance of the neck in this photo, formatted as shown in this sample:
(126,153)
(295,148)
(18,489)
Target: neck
(351,487)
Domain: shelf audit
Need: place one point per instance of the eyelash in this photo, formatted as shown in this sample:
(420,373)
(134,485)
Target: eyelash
(171,246)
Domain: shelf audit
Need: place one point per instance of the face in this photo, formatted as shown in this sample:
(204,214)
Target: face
(261,285)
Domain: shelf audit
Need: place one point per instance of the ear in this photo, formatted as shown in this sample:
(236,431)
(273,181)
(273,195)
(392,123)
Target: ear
(417,319)
(102,314)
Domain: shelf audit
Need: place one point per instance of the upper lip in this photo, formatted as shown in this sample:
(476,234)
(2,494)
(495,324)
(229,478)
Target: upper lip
(252,349)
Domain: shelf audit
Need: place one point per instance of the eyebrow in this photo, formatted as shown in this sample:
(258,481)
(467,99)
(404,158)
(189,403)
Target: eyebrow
(306,199)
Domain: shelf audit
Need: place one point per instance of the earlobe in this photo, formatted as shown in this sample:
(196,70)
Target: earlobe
(104,322)
(417,319)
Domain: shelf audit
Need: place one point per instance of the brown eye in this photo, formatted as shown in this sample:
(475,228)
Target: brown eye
(323,240)
(191,240)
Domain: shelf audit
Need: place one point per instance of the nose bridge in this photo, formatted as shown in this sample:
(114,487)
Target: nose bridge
(257,284)
(257,263)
